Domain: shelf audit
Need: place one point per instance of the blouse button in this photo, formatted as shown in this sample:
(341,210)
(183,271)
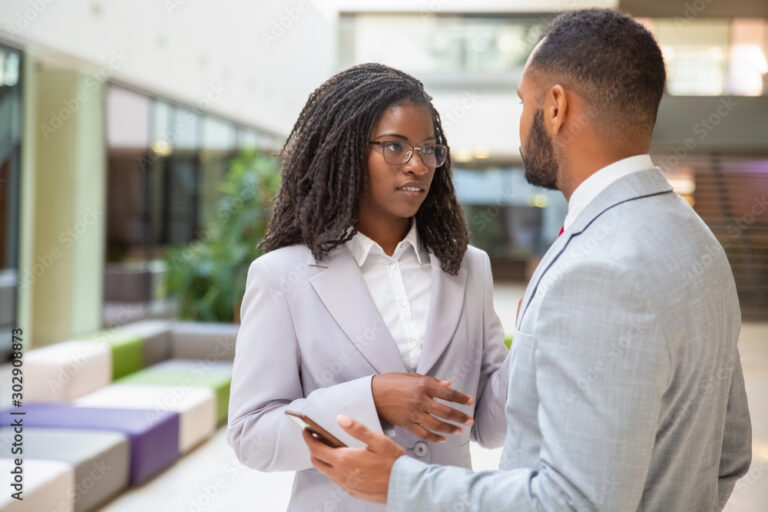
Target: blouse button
(420,449)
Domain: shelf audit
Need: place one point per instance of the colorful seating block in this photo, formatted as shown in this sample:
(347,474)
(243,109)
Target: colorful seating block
(100,460)
(127,351)
(155,336)
(65,371)
(204,341)
(180,372)
(48,485)
(153,435)
(196,406)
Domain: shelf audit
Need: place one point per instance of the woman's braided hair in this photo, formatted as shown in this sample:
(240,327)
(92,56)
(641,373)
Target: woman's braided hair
(325,167)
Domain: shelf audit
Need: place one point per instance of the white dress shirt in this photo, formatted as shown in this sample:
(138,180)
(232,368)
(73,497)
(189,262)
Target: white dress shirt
(400,286)
(599,181)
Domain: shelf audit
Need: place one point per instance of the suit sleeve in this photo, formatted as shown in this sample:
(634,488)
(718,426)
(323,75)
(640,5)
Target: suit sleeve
(736,455)
(266,380)
(490,425)
(600,373)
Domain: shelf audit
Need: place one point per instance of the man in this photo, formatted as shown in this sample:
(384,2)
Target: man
(626,390)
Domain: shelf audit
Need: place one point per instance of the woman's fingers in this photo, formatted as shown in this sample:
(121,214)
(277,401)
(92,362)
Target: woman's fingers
(425,434)
(451,395)
(449,413)
(436,425)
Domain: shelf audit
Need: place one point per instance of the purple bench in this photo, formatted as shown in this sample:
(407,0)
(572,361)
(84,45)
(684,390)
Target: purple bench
(153,435)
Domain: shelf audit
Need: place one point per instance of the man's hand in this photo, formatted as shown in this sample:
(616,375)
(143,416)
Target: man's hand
(408,401)
(362,472)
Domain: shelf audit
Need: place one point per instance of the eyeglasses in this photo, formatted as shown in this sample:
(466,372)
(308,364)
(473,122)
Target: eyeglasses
(400,153)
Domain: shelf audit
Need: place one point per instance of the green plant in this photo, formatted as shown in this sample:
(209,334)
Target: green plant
(208,275)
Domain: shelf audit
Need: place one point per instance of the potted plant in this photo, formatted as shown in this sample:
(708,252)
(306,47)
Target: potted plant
(208,275)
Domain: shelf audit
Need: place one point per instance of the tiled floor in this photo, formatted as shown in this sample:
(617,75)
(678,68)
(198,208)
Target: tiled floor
(210,479)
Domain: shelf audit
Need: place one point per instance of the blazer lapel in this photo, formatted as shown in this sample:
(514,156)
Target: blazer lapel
(345,295)
(549,257)
(446,303)
(633,186)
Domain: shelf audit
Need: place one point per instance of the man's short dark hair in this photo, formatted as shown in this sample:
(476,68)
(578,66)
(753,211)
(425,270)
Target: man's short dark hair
(613,62)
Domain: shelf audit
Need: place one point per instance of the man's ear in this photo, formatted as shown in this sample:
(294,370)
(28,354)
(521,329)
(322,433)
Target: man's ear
(556,109)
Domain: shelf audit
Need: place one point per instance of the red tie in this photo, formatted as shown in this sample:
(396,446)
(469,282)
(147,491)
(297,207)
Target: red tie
(561,230)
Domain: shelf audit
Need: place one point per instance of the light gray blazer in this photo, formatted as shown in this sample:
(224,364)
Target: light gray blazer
(311,339)
(626,391)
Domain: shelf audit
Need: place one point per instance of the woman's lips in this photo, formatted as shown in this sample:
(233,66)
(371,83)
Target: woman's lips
(411,192)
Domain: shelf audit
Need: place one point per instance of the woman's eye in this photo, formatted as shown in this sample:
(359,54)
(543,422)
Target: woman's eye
(393,146)
(428,150)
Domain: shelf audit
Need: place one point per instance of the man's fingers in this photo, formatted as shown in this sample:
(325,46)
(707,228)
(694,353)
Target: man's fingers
(358,430)
(449,413)
(319,464)
(319,449)
(452,395)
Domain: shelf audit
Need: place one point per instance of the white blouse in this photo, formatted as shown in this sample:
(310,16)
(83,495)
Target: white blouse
(401,288)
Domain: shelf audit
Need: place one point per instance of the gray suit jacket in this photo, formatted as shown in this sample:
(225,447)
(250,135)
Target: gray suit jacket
(311,339)
(626,391)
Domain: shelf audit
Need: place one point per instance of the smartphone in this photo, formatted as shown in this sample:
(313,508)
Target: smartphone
(316,430)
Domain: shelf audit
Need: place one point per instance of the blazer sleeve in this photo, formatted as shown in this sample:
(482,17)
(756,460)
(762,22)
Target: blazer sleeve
(266,380)
(490,425)
(599,385)
(736,455)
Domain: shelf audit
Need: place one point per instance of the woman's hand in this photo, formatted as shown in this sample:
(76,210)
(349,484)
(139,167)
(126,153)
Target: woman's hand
(407,400)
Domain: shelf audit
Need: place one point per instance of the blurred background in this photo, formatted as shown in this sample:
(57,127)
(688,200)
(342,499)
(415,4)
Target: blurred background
(138,145)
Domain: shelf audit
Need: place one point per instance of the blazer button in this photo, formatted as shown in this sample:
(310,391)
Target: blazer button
(420,449)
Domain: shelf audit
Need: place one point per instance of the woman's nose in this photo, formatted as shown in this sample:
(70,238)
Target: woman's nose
(415,164)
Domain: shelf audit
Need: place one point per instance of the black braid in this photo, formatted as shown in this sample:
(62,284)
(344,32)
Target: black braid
(325,168)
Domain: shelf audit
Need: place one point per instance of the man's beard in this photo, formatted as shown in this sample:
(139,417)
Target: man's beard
(541,168)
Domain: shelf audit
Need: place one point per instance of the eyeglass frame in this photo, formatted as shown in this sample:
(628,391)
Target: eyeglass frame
(382,142)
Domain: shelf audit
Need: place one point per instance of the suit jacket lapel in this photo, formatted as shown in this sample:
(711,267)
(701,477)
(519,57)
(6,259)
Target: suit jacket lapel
(446,303)
(345,295)
(549,257)
(633,186)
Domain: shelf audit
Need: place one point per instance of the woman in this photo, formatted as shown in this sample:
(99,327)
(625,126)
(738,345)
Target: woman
(369,301)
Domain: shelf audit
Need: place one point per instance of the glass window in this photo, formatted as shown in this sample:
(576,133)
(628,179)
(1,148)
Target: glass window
(128,118)
(10,175)
(442,44)
(695,53)
(218,135)
(507,216)
(749,47)
(713,57)
(247,139)
(219,144)
(185,134)
(161,127)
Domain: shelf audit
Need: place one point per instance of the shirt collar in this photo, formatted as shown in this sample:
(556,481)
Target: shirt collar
(600,180)
(360,246)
